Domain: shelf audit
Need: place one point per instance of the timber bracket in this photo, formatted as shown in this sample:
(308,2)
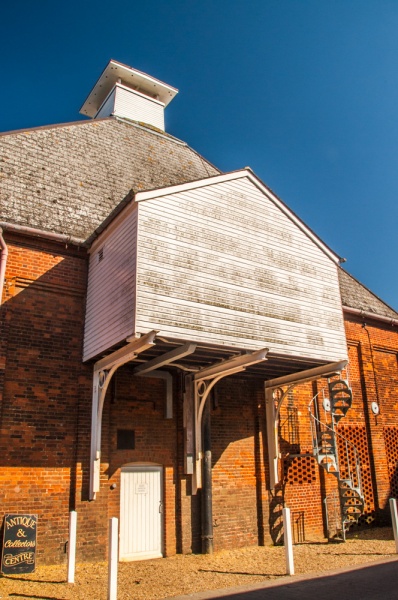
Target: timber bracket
(197,390)
(103,372)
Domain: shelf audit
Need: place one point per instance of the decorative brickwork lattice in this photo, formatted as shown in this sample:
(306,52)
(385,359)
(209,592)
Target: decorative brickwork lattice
(356,436)
(391,442)
(298,470)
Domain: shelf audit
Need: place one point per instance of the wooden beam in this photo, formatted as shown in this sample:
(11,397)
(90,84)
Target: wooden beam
(232,365)
(165,359)
(309,375)
(127,352)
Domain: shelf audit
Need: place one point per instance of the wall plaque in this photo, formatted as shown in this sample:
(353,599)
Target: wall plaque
(141,488)
(19,544)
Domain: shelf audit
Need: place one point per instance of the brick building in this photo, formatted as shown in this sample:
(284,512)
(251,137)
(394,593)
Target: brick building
(164,328)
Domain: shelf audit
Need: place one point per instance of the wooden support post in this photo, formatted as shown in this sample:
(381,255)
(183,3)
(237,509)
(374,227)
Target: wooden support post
(72,546)
(189,426)
(394,519)
(94,459)
(113,558)
(272,437)
(288,541)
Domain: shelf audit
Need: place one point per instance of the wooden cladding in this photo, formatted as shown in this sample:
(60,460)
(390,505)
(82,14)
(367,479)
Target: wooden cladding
(218,263)
(111,289)
(223,264)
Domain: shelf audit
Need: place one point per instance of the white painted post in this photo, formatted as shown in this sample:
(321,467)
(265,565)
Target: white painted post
(113,558)
(288,540)
(394,519)
(72,546)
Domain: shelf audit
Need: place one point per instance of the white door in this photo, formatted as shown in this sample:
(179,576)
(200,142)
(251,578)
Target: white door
(141,513)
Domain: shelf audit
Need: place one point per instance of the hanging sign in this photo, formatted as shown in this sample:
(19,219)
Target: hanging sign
(19,544)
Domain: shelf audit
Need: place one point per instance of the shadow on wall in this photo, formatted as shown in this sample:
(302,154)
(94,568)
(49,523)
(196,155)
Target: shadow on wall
(45,411)
(239,460)
(46,390)
(238,468)
(276,505)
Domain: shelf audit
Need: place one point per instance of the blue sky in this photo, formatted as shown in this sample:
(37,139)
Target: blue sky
(305,92)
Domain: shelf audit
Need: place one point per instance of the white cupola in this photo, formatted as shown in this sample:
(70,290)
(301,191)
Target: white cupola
(125,92)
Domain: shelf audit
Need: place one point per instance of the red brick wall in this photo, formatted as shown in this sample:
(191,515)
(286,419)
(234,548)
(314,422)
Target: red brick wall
(303,483)
(41,405)
(45,421)
(46,408)
(374,375)
(240,498)
(138,404)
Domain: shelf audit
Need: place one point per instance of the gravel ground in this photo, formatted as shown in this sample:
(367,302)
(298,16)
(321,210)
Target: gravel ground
(178,575)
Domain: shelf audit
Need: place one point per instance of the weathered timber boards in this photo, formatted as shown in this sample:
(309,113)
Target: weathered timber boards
(133,106)
(110,309)
(235,298)
(255,276)
(222,330)
(223,262)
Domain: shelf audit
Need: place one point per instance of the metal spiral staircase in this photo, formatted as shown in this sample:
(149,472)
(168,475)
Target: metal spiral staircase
(337,455)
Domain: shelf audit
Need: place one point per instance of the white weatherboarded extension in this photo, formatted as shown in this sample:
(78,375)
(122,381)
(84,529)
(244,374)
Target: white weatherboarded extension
(110,308)
(141,514)
(223,261)
(217,261)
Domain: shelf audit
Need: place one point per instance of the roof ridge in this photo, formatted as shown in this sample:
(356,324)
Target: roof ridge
(151,129)
(53,126)
(138,124)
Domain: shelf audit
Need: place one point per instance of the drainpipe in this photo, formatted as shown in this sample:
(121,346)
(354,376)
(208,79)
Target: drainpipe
(3,262)
(207,487)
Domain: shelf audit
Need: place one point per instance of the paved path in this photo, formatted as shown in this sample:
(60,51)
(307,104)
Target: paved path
(366,582)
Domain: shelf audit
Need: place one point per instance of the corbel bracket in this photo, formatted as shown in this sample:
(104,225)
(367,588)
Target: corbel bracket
(104,369)
(197,389)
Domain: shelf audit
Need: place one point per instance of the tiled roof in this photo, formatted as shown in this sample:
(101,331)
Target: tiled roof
(355,295)
(69,178)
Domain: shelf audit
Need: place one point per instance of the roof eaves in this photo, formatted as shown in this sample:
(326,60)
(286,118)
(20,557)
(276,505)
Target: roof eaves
(370,292)
(363,314)
(138,71)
